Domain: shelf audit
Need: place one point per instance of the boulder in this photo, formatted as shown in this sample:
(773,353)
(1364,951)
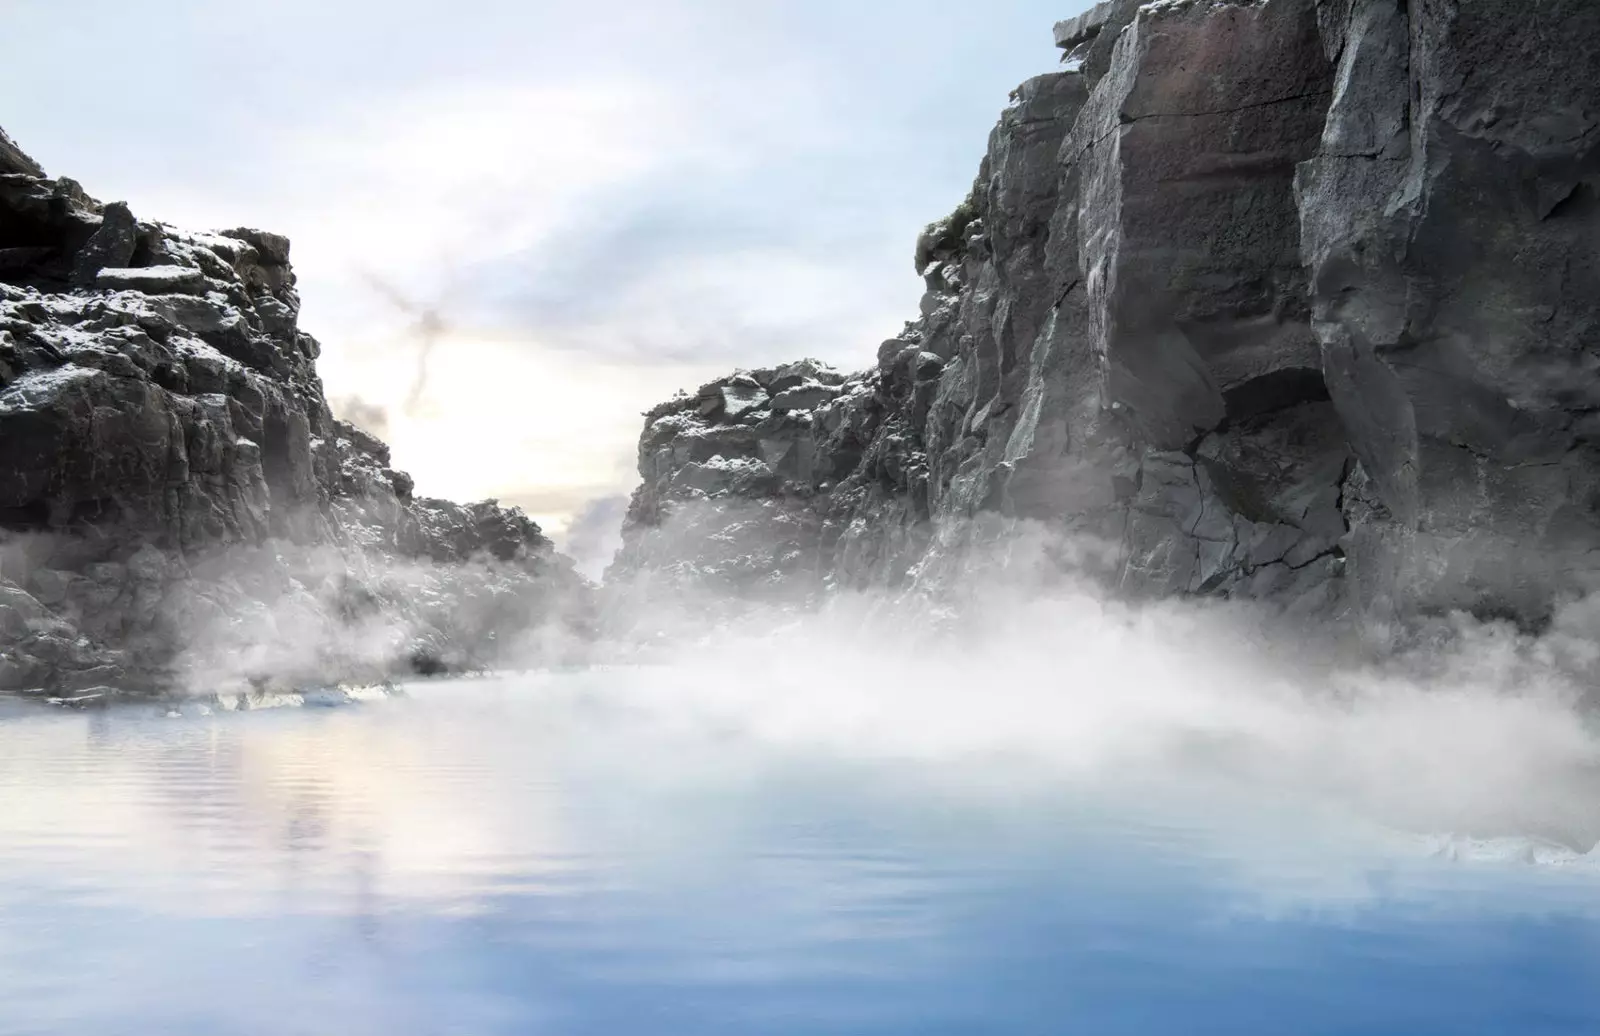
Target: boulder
(112,245)
(742,396)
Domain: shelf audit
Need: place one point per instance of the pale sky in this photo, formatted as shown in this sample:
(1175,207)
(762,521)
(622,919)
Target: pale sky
(605,202)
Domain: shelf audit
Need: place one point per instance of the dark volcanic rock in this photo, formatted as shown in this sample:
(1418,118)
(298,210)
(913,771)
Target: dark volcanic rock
(1453,238)
(112,245)
(13,160)
(177,503)
(1292,300)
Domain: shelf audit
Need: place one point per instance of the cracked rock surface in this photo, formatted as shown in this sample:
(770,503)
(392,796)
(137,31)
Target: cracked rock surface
(1289,300)
(178,506)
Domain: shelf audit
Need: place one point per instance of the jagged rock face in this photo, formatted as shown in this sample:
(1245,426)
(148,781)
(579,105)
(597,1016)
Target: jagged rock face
(737,478)
(165,446)
(1451,229)
(1198,303)
(1284,299)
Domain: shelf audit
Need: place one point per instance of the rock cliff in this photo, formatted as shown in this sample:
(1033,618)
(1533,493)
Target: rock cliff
(1288,300)
(177,503)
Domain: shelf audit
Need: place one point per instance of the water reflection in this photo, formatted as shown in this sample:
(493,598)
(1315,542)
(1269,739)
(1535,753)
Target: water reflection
(528,857)
(233,813)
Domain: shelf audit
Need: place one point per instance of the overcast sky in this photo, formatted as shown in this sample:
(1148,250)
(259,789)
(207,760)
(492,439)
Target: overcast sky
(604,201)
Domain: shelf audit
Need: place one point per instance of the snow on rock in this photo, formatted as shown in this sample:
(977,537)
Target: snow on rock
(152,280)
(176,499)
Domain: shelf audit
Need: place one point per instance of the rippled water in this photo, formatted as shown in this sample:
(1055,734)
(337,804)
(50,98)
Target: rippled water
(538,856)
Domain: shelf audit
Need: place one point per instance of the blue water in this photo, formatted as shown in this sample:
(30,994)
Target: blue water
(495,858)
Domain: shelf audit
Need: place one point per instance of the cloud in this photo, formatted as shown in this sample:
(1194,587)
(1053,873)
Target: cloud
(369,417)
(430,193)
(436,183)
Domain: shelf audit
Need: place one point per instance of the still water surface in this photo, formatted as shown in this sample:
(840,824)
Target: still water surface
(526,856)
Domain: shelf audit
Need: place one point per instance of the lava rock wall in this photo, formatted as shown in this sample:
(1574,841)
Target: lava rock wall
(1289,300)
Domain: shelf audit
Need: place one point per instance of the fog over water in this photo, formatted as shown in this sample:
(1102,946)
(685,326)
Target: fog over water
(1012,809)
(765,837)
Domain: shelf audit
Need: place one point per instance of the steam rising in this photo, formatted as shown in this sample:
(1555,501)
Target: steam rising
(311,612)
(372,418)
(997,656)
(594,534)
(1467,728)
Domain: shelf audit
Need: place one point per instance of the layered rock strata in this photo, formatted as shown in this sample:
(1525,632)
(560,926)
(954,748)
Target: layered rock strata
(177,502)
(1289,300)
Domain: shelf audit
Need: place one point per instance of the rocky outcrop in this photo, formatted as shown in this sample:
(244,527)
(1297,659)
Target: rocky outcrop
(177,502)
(1289,300)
